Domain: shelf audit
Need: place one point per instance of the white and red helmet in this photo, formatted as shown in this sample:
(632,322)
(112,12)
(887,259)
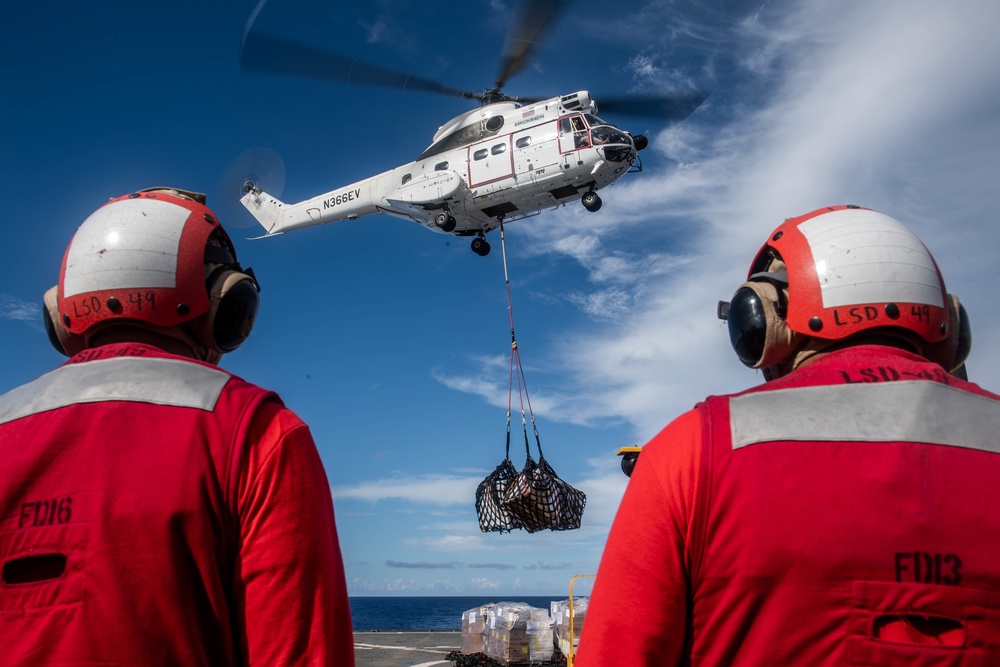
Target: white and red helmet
(837,272)
(161,258)
(851,269)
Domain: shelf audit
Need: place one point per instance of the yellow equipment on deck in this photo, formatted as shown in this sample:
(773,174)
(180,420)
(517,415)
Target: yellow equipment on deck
(629,457)
(573,634)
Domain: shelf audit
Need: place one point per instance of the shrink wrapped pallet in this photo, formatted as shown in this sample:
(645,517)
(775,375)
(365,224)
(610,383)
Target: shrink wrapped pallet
(518,633)
(474,629)
(561,623)
(540,642)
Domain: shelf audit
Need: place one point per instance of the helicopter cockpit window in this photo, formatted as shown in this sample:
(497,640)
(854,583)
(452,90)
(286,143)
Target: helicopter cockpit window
(613,143)
(498,149)
(605,134)
(441,166)
(480,154)
(523,142)
(594,121)
(406,178)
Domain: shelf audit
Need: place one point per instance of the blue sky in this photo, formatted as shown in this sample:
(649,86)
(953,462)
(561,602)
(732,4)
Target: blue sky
(391,341)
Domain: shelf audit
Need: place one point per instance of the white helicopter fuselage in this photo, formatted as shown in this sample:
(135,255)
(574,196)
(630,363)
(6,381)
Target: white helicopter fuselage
(501,162)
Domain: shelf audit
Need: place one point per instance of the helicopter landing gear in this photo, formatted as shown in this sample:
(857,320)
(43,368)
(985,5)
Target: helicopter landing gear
(480,246)
(591,201)
(445,222)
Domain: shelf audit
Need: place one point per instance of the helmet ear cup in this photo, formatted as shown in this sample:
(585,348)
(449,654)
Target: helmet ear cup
(964,328)
(62,339)
(757,329)
(952,352)
(234,299)
(747,325)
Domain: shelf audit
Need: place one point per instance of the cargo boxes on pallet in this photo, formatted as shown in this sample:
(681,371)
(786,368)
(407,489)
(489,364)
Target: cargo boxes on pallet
(474,628)
(512,633)
(518,633)
(564,638)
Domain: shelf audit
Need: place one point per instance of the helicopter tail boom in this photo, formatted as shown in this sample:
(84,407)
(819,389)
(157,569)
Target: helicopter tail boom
(277,217)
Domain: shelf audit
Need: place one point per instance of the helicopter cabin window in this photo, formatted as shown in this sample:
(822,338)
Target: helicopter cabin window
(441,166)
(523,142)
(498,149)
(480,154)
(464,136)
(406,178)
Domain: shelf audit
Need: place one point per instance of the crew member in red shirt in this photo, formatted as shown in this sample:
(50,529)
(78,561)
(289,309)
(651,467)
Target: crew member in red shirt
(154,509)
(844,512)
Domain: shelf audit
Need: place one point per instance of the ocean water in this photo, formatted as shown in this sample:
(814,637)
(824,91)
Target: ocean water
(424,613)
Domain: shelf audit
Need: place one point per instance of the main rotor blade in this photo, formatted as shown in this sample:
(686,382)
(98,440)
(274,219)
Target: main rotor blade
(532,20)
(673,108)
(275,55)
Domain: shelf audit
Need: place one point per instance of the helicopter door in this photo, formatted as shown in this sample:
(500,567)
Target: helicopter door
(536,153)
(573,134)
(535,148)
(490,161)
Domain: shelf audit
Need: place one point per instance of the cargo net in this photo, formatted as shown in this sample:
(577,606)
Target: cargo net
(536,498)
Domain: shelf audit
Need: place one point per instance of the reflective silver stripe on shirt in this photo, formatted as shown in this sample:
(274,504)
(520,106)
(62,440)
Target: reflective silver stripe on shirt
(905,411)
(158,381)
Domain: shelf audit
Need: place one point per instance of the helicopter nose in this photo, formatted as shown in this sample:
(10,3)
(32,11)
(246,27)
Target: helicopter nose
(640,141)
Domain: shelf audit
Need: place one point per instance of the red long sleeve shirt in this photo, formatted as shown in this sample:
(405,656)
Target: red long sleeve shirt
(159,511)
(844,514)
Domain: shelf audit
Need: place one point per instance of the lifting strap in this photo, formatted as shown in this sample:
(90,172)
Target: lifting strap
(515,365)
(535,498)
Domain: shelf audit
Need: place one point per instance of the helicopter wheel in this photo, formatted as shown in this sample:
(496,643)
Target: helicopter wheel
(591,201)
(445,222)
(480,246)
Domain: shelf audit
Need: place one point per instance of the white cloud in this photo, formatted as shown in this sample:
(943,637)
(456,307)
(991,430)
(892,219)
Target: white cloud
(484,584)
(493,385)
(643,66)
(13,308)
(608,304)
(469,540)
(434,489)
(604,485)
(489,389)
(401,585)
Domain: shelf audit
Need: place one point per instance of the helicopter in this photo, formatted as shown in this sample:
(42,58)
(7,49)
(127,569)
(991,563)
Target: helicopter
(509,159)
